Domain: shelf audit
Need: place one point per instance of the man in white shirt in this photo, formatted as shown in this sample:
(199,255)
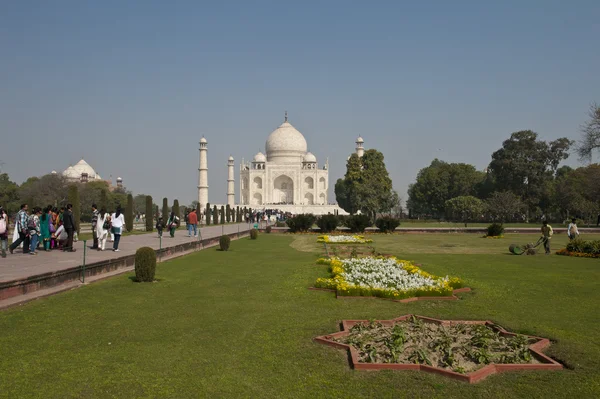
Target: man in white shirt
(572,230)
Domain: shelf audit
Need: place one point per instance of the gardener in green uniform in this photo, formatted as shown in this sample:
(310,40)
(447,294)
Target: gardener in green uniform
(547,234)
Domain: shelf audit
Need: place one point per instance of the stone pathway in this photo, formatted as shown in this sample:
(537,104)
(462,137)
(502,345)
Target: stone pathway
(19,265)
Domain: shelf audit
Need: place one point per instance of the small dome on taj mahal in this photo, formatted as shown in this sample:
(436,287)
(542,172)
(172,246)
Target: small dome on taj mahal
(309,157)
(260,157)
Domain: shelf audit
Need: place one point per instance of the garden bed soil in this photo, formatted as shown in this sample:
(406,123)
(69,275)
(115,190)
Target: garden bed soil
(465,350)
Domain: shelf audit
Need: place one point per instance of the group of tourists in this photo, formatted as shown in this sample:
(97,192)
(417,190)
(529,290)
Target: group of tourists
(172,224)
(51,228)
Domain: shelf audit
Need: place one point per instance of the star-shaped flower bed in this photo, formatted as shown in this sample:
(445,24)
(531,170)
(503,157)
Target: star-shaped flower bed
(464,350)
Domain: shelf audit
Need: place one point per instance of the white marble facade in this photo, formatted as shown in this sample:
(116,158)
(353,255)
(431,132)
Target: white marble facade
(287,175)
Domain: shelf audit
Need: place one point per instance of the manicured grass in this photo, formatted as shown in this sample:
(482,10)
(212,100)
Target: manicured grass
(240,324)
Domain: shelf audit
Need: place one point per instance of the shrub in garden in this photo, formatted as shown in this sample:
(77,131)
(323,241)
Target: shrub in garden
(224,242)
(301,223)
(387,224)
(268,230)
(228,213)
(207,216)
(357,223)
(222,214)
(145,264)
(149,220)
(495,230)
(215,215)
(253,234)
(328,223)
(585,247)
(280,224)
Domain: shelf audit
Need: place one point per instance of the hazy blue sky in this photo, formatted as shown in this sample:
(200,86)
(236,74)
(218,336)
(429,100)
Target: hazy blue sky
(132,86)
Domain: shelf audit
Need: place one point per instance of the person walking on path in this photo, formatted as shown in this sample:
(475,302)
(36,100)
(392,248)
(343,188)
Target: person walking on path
(547,235)
(45,228)
(193,223)
(21,228)
(33,224)
(160,225)
(172,224)
(103,225)
(69,223)
(118,221)
(3,231)
(94,225)
(572,230)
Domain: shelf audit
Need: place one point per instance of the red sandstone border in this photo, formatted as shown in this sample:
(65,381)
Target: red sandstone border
(546,363)
(405,300)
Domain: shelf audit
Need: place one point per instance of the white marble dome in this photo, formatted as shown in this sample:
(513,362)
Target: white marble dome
(260,157)
(286,144)
(309,157)
(202,140)
(81,167)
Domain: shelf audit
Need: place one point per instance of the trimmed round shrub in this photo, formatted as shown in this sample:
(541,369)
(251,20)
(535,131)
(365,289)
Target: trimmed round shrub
(301,222)
(268,230)
(495,230)
(253,234)
(145,264)
(387,224)
(280,224)
(224,242)
(357,223)
(328,223)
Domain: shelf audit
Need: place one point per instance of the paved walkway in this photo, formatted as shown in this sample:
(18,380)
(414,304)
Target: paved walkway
(19,265)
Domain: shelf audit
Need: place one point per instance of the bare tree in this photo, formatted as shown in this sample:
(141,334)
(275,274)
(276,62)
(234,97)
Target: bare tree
(590,130)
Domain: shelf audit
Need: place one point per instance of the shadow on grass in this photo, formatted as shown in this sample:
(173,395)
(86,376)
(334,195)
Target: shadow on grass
(135,280)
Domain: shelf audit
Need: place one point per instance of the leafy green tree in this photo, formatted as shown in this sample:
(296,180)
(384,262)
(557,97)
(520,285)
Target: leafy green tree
(176,208)
(49,189)
(590,131)
(440,182)
(9,194)
(576,192)
(129,213)
(73,196)
(366,186)
(103,202)
(526,166)
(139,204)
(149,219)
(165,209)
(464,208)
(504,206)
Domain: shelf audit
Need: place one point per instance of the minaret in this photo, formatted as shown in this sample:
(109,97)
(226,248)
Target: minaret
(360,149)
(203,174)
(230,182)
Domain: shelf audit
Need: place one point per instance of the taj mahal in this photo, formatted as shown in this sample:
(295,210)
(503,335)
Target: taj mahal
(288,177)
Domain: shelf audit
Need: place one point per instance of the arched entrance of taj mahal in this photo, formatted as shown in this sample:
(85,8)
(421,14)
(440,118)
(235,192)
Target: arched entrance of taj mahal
(283,190)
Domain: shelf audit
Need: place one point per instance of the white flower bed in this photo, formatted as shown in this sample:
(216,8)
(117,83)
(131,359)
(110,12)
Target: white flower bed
(345,239)
(384,273)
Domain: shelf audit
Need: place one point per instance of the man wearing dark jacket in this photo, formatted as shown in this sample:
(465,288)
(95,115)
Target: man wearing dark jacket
(69,225)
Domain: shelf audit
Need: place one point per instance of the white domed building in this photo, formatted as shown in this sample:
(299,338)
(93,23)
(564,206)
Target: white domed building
(82,172)
(288,175)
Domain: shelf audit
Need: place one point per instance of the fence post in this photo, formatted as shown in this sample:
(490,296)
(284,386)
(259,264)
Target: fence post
(84,252)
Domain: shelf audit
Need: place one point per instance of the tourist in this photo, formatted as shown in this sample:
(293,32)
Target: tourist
(33,224)
(117,220)
(94,225)
(172,224)
(45,228)
(68,221)
(103,226)
(193,223)
(53,227)
(60,236)
(547,235)
(572,230)
(3,231)
(160,225)
(21,228)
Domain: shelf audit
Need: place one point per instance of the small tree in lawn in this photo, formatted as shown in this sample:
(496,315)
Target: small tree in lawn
(228,213)
(207,214)
(149,219)
(215,215)
(129,213)
(176,208)
(103,200)
(145,264)
(464,208)
(73,196)
(165,210)
(504,206)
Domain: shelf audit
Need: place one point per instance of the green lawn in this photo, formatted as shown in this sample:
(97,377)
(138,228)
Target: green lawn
(240,324)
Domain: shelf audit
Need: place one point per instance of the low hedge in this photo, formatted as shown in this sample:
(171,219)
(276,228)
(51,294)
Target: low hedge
(357,223)
(387,224)
(328,223)
(582,248)
(495,230)
(301,223)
